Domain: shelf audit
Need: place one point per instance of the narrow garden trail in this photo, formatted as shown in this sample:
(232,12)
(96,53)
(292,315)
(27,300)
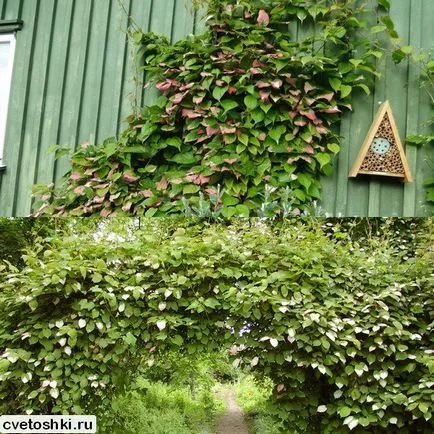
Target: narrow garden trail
(232,422)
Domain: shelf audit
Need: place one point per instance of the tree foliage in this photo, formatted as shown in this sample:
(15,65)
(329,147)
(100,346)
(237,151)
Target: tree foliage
(344,329)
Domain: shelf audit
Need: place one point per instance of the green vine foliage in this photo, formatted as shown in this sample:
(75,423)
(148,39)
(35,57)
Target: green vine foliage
(427,139)
(247,112)
(344,329)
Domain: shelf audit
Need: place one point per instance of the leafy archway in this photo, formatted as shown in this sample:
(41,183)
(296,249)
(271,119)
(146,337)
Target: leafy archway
(344,331)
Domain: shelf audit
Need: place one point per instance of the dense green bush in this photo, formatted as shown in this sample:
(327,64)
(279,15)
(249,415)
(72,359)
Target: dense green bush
(344,329)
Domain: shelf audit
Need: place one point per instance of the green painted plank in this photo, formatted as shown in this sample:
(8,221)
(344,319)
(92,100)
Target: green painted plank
(36,103)
(141,11)
(18,109)
(113,76)
(396,76)
(425,154)
(183,23)
(413,98)
(93,72)
(123,64)
(161,22)
(3,4)
(380,96)
(11,9)
(55,92)
(74,81)
(200,21)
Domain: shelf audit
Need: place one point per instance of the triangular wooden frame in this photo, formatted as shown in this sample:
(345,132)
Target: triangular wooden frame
(356,169)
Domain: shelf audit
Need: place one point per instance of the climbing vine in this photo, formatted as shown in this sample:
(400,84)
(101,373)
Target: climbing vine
(245,121)
(427,139)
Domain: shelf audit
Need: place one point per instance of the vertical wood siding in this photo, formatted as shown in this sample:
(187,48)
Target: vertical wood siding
(73,83)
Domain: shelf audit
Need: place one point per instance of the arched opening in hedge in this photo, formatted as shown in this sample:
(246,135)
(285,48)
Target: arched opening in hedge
(343,328)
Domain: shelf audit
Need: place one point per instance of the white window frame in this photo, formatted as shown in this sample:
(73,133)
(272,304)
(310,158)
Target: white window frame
(11,38)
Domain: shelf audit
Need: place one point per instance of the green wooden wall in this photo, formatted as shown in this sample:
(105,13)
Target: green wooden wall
(74,82)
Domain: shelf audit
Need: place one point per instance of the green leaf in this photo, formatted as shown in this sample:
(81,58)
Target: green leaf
(345,90)
(384,3)
(33,394)
(229,104)
(175,142)
(335,83)
(4,365)
(429,182)
(277,132)
(177,340)
(365,88)
(258,115)
(251,102)
(190,189)
(244,139)
(96,278)
(242,210)
(344,411)
(378,29)
(130,339)
(334,147)
(323,159)
(424,408)
(219,92)
(185,158)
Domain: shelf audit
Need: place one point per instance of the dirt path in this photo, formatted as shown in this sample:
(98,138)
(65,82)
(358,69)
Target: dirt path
(232,422)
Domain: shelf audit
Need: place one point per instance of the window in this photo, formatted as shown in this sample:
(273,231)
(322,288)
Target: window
(7,51)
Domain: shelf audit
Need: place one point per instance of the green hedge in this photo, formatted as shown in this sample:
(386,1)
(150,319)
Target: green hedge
(344,330)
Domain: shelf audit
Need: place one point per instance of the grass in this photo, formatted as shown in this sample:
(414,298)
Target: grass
(159,408)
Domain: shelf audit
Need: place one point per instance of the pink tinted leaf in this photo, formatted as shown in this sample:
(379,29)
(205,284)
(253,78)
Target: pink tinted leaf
(197,179)
(309,150)
(327,96)
(127,207)
(129,178)
(75,176)
(198,99)
(310,114)
(79,190)
(191,114)
(332,110)
(263,18)
(162,185)
(277,84)
(264,95)
(164,86)
(262,84)
(212,131)
(146,193)
(280,388)
(186,87)
(228,130)
(300,123)
(308,87)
